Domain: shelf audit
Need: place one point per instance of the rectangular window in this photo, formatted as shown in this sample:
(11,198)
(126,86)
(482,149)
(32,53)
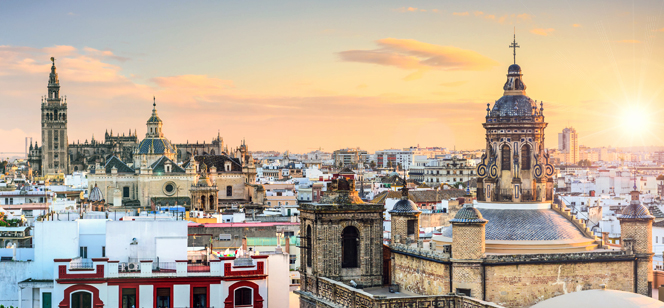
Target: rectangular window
(125,192)
(411,227)
(83,252)
(229,191)
(293,258)
(200,297)
(465,292)
(103,251)
(163,297)
(128,298)
(225,237)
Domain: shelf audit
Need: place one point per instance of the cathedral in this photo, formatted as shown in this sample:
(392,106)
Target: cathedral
(512,247)
(150,172)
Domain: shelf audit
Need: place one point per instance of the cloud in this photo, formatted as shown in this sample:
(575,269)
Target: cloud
(525,16)
(198,82)
(542,31)
(72,14)
(659,30)
(460,13)
(412,9)
(576,25)
(411,54)
(630,41)
(478,13)
(104,54)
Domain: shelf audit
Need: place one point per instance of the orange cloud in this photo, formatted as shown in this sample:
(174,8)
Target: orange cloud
(478,13)
(659,30)
(576,25)
(542,32)
(630,41)
(409,9)
(524,16)
(460,13)
(415,55)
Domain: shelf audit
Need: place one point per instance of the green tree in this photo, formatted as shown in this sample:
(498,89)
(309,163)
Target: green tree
(372,164)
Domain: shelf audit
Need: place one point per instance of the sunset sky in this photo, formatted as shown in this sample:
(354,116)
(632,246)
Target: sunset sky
(303,75)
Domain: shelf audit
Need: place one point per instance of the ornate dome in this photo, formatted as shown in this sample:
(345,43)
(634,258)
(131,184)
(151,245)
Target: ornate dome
(514,105)
(636,210)
(405,206)
(468,214)
(95,194)
(514,101)
(154,118)
(155,146)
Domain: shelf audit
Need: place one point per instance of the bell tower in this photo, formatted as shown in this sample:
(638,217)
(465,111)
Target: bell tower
(54,154)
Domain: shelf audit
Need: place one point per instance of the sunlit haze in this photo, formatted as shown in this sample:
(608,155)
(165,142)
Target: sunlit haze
(303,75)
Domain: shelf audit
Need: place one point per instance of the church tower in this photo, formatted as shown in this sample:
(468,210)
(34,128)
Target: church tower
(54,153)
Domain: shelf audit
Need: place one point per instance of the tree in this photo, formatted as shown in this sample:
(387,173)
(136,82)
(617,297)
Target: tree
(372,164)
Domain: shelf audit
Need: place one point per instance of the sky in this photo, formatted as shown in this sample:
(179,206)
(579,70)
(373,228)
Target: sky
(306,75)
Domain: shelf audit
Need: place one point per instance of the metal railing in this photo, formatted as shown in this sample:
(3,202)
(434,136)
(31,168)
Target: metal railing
(528,194)
(503,195)
(76,264)
(164,266)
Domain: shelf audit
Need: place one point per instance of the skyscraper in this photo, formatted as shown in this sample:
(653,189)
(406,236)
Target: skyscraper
(568,144)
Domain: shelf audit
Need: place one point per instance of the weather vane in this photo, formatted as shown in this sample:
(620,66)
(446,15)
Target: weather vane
(514,45)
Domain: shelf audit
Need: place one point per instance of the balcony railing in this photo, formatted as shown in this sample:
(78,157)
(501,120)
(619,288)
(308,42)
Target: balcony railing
(503,195)
(76,264)
(528,194)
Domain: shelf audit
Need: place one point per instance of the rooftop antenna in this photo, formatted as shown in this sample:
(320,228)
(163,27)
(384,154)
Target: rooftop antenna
(514,46)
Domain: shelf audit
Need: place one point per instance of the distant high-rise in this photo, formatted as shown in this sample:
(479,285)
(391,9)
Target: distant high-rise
(568,144)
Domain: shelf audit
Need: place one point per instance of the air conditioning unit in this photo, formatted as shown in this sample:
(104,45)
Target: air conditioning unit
(133,267)
(122,267)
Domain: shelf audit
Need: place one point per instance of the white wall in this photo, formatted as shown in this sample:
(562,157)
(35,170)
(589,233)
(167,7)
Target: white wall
(53,240)
(156,238)
(11,273)
(92,234)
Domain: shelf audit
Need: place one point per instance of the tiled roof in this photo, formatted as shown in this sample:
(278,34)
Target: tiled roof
(526,225)
(158,146)
(218,162)
(158,166)
(117,163)
(655,211)
(636,210)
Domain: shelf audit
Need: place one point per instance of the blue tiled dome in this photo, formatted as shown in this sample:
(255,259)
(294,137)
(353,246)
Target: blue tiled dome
(405,206)
(468,214)
(636,210)
(158,146)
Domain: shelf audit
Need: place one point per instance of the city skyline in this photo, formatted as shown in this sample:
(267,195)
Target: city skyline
(292,77)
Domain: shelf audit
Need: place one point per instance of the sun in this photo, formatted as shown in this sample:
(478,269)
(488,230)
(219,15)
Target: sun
(636,121)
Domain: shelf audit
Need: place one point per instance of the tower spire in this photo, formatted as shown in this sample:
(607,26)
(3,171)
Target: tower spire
(514,46)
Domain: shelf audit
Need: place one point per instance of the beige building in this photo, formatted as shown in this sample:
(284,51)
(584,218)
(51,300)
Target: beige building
(155,179)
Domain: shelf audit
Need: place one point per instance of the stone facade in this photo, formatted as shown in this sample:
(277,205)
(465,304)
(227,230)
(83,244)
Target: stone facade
(326,244)
(468,241)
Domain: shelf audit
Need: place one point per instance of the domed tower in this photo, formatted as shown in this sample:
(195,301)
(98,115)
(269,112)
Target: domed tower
(405,219)
(341,238)
(155,145)
(515,166)
(636,237)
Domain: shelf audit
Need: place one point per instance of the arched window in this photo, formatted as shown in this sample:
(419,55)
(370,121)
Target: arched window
(505,158)
(525,157)
(243,297)
(308,244)
(81,300)
(202,202)
(350,242)
(212,202)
